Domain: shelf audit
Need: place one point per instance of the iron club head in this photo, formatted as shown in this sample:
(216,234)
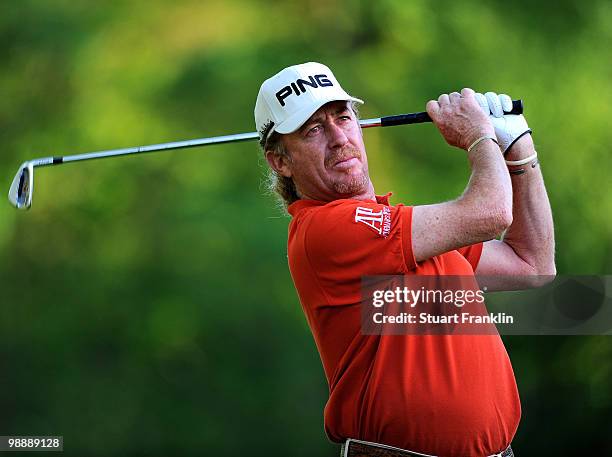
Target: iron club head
(20,193)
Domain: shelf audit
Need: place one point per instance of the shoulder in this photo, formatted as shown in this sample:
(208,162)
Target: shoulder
(352,230)
(347,217)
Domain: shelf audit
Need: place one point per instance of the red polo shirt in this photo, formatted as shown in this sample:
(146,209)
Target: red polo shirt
(447,395)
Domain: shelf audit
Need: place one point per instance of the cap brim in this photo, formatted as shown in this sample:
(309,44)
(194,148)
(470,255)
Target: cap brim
(294,122)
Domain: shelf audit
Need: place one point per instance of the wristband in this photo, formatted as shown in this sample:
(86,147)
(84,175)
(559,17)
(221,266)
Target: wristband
(482,138)
(522,161)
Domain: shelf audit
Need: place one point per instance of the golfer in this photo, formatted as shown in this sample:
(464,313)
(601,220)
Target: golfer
(402,395)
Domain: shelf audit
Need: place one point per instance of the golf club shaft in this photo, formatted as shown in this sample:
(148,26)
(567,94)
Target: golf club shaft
(387,121)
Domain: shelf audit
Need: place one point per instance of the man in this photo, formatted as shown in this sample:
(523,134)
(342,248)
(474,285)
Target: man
(445,395)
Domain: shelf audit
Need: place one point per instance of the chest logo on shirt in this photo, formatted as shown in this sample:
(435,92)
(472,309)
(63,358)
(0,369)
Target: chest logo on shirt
(380,221)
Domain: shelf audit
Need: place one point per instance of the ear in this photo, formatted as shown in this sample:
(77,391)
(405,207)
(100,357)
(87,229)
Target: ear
(279,164)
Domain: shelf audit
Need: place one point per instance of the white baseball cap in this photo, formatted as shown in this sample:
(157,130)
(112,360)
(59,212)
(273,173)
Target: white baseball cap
(288,99)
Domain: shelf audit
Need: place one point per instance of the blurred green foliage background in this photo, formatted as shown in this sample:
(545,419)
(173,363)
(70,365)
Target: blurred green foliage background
(146,304)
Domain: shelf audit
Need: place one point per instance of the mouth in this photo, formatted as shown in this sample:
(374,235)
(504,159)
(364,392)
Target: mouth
(345,163)
(344,160)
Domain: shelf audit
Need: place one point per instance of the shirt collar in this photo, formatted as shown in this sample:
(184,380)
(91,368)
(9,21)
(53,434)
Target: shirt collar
(299,205)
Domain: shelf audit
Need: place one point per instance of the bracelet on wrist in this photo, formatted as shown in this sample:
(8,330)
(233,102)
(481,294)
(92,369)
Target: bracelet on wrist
(522,161)
(481,139)
(520,171)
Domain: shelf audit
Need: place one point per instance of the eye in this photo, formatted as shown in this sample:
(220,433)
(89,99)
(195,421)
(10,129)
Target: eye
(314,130)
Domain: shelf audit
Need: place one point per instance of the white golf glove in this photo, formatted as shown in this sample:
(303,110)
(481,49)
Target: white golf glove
(508,127)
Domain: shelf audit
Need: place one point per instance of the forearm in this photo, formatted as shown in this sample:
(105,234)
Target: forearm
(489,190)
(531,234)
(481,213)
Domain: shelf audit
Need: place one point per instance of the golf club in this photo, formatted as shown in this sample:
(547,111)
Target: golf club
(22,188)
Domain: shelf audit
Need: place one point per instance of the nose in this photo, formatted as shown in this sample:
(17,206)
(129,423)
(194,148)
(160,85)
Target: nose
(336,136)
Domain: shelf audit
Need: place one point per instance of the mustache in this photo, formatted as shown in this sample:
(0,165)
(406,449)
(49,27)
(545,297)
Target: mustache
(344,154)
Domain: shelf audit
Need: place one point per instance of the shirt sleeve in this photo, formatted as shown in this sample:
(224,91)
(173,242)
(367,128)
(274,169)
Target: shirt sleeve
(472,254)
(348,237)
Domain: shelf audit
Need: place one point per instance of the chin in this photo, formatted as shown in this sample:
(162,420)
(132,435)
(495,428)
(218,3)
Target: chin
(352,185)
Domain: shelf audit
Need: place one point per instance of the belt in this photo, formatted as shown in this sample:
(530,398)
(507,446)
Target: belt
(358,448)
